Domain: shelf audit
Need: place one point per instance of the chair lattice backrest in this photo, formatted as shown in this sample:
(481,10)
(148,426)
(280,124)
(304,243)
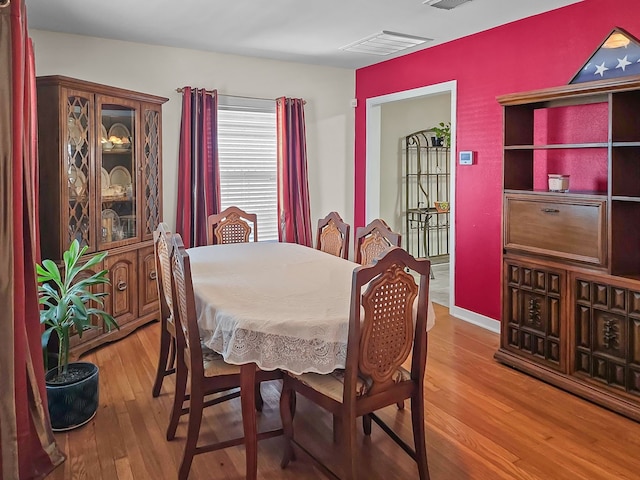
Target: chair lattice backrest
(333,235)
(374,239)
(163,246)
(185,310)
(233,225)
(392,327)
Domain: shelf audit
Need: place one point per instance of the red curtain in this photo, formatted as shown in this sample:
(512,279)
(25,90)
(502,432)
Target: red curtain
(28,449)
(198,179)
(293,185)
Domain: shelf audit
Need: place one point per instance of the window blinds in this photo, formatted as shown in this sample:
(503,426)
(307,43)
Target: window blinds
(247,157)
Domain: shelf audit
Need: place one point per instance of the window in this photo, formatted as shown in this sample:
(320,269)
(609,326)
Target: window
(248,159)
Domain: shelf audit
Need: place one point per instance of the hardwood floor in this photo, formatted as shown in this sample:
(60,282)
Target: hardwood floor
(484,421)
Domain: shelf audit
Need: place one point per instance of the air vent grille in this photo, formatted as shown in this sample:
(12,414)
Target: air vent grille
(385,43)
(445,4)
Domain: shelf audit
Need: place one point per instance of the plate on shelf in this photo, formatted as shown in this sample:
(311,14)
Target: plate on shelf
(105,181)
(103,133)
(75,132)
(119,130)
(77,180)
(120,176)
(108,214)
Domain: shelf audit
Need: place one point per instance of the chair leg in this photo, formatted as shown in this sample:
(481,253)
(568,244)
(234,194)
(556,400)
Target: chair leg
(172,353)
(287,406)
(419,439)
(350,458)
(337,428)
(259,400)
(366,424)
(195,419)
(178,397)
(165,342)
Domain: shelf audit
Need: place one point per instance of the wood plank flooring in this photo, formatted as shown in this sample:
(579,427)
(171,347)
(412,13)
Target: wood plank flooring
(484,421)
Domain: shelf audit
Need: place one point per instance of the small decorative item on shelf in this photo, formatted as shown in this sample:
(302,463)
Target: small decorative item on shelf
(558,183)
(441,207)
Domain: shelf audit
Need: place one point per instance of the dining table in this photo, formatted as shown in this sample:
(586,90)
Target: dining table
(272,305)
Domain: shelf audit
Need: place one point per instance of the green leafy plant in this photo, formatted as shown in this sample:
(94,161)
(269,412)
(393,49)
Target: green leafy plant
(65,297)
(443,130)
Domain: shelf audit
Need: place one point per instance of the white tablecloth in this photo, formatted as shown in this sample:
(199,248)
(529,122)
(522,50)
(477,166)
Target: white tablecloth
(280,305)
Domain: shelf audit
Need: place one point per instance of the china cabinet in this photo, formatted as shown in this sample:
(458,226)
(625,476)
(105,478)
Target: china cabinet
(100,183)
(571,262)
(426,195)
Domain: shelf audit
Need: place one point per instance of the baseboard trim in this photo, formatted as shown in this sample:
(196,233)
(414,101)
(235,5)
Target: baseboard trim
(476,319)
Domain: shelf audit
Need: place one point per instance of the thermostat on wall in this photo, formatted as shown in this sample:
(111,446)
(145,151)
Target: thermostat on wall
(467,158)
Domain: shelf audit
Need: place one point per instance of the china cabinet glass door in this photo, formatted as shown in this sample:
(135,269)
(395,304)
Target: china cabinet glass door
(78,137)
(117,176)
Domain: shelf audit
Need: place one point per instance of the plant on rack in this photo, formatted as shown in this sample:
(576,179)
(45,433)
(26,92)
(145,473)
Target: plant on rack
(65,297)
(443,132)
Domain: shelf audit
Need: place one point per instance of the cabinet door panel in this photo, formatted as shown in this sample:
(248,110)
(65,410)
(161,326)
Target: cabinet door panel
(533,309)
(123,294)
(151,169)
(87,335)
(607,333)
(147,281)
(568,228)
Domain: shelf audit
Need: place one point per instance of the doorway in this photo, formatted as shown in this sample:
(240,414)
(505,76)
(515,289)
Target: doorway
(378,165)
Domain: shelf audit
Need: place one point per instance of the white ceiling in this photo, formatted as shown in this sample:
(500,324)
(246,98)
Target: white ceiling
(291,30)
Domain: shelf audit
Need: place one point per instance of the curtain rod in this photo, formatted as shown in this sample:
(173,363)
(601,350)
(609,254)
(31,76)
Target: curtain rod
(180,90)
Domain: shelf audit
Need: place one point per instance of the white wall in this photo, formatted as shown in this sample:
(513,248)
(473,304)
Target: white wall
(159,70)
(399,119)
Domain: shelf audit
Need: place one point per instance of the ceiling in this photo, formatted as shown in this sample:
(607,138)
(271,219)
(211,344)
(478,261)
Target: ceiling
(290,30)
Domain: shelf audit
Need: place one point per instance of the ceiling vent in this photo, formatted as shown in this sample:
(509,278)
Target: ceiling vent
(385,43)
(445,4)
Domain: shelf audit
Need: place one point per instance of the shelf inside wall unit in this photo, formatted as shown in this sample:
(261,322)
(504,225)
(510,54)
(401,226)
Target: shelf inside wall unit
(558,146)
(625,171)
(625,119)
(569,194)
(625,237)
(557,126)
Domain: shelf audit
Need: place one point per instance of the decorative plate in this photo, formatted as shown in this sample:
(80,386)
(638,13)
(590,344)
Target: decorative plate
(75,132)
(103,133)
(119,130)
(105,181)
(107,213)
(77,179)
(120,176)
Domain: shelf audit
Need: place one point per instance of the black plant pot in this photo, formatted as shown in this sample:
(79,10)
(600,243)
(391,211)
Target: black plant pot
(75,403)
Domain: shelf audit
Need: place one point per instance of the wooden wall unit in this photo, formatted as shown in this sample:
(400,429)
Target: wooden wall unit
(100,183)
(571,261)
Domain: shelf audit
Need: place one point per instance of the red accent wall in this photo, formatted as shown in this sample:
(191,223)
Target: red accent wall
(538,52)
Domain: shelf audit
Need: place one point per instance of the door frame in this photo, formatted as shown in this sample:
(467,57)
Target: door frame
(373,160)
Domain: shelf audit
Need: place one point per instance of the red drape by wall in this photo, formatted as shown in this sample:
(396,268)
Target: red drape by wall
(198,179)
(293,185)
(28,449)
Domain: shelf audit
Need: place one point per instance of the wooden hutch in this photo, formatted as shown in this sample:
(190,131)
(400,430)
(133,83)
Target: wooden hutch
(101,183)
(571,261)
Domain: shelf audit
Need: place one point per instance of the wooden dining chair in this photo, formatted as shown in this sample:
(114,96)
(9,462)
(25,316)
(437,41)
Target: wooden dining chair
(374,239)
(333,235)
(232,225)
(384,330)
(163,245)
(206,370)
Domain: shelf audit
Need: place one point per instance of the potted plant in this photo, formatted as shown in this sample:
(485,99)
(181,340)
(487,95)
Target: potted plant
(72,388)
(443,134)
